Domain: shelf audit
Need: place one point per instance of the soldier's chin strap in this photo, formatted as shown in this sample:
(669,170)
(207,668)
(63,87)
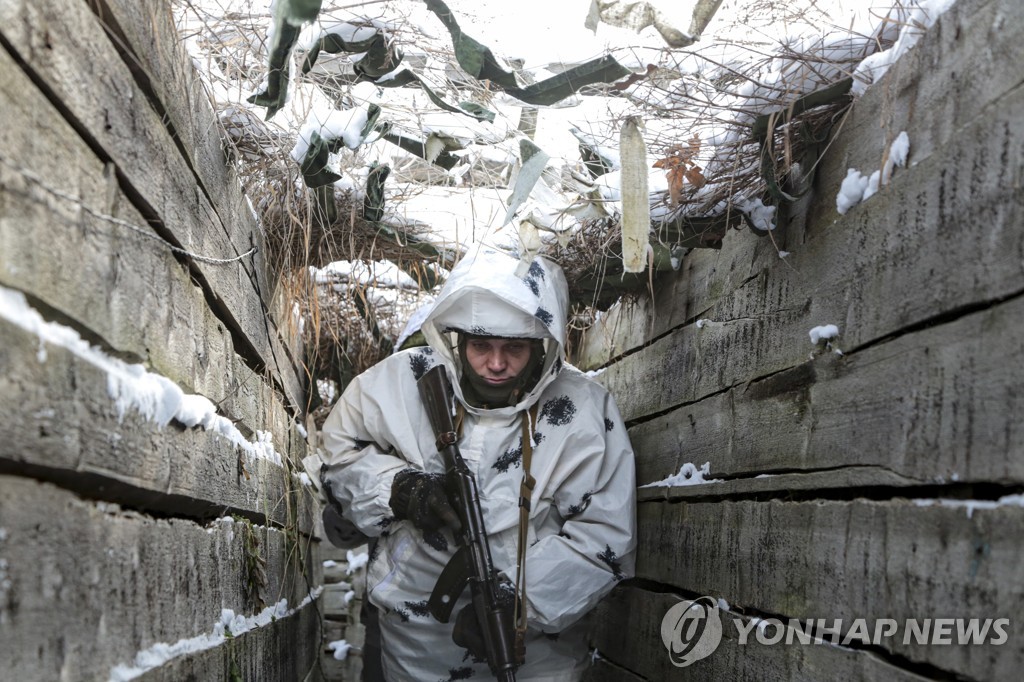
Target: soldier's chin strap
(525,495)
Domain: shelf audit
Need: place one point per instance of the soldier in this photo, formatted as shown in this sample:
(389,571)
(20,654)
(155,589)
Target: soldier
(498,328)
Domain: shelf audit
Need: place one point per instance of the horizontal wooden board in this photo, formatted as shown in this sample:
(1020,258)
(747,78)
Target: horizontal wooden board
(145,35)
(145,32)
(860,559)
(285,649)
(823,484)
(125,291)
(603,670)
(640,612)
(59,423)
(965,63)
(87,585)
(703,278)
(961,141)
(936,405)
(65,46)
(944,251)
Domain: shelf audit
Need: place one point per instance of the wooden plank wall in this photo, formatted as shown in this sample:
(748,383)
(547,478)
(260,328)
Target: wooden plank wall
(881,483)
(118,535)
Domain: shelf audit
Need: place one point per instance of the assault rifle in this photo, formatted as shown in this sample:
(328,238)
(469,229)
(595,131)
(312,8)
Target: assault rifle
(472,562)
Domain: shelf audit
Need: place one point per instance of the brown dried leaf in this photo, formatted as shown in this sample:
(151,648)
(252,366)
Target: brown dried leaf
(695,177)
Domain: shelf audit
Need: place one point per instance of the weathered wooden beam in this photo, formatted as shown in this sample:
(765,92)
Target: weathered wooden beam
(962,109)
(885,282)
(88,585)
(603,670)
(897,559)
(67,53)
(144,34)
(124,290)
(640,612)
(964,66)
(61,424)
(816,483)
(285,649)
(939,404)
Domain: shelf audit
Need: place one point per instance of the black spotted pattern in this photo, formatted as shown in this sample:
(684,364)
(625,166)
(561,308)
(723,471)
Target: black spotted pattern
(609,425)
(611,559)
(359,443)
(458,674)
(534,276)
(436,539)
(558,411)
(420,362)
(576,509)
(544,316)
(418,608)
(513,457)
(556,366)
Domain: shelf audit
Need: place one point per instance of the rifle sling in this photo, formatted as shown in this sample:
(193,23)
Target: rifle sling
(525,496)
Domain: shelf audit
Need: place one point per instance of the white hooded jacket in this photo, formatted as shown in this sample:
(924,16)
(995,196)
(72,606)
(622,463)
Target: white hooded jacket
(582,518)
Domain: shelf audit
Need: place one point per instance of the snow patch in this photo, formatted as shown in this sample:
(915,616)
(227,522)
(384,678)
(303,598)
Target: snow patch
(132,387)
(355,561)
(339,649)
(823,333)
(971,505)
(689,474)
(230,624)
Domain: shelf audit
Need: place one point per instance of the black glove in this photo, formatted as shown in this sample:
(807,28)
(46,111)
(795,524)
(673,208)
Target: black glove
(467,634)
(420,498)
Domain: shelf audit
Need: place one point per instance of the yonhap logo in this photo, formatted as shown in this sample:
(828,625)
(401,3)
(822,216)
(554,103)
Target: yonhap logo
(691,630)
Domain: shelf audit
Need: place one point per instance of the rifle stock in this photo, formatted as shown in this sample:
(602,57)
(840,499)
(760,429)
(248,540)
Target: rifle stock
(472,562)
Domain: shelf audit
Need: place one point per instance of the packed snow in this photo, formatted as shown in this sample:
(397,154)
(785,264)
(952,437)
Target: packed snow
(230,624)
(689,474)
(823,332)
(131,386)
(969,506)
(857,187)
(339,649)
(356,561)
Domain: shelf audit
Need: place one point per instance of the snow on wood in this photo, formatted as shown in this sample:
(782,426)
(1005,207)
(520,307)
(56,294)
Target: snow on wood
(95,585)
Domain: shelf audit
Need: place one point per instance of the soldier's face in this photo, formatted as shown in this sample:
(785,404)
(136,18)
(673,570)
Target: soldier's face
(497,360)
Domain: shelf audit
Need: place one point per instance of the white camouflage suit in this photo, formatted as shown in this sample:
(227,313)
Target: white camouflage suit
(583,512)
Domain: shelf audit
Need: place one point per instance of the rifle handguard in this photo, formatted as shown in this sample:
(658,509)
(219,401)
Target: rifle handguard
(478,570)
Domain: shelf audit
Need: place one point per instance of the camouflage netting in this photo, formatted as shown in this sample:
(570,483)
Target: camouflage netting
(735,127)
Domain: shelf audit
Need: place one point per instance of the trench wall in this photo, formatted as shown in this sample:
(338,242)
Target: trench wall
(880,483)
(154,523)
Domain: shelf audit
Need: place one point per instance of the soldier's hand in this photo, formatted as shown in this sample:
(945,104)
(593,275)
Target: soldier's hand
(420,497)
(467,633)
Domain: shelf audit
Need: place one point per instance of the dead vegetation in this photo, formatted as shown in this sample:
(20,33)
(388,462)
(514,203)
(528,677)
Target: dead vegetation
(726,133)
